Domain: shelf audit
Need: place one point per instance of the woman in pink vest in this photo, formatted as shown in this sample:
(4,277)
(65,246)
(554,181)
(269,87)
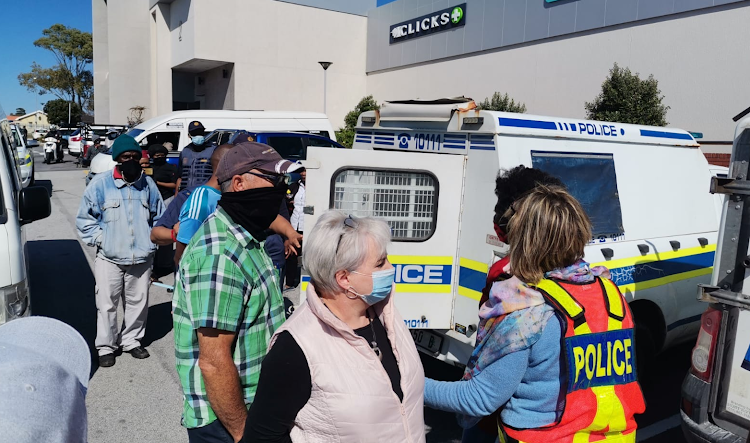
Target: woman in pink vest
(344,367)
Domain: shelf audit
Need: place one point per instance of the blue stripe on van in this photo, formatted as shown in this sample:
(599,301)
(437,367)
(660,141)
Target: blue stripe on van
(532,124)
(664,134)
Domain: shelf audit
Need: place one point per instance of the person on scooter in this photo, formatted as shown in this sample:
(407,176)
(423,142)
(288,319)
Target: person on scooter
(57,135)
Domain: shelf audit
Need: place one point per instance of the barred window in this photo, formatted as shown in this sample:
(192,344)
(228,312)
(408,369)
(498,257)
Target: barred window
(406,200)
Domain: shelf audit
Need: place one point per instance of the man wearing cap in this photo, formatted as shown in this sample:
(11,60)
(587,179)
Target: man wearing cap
(116,215)
(44,374)
(195,168)
(227,302)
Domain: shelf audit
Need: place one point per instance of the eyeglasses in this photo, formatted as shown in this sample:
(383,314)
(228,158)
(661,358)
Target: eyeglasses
(349,222)
(275,180)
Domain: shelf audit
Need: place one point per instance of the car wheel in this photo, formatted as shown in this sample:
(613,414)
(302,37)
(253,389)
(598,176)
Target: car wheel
(33,178)
(645,349)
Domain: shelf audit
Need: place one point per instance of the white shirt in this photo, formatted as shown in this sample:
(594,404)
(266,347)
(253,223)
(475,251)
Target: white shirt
(298,216)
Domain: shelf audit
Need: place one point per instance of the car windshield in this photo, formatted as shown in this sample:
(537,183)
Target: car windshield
(99,132)
(135,132)
(68,131)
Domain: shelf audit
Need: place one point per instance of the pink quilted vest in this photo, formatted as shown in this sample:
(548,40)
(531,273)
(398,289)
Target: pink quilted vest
(352,399)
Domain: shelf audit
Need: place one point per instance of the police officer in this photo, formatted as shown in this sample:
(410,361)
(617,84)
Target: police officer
(194,168)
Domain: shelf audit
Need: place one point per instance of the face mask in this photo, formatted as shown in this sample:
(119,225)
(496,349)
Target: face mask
(254,209)
(501,234)
(198,140)
(160,161)
(131,170)
(382,282)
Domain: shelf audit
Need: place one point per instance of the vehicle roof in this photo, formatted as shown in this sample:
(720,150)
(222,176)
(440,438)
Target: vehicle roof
(394,116)
(199,114)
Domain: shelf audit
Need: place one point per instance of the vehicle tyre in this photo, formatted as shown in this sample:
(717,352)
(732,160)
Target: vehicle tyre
(645,349)
(33,177)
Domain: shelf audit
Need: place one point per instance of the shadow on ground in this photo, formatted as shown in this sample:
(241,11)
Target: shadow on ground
(159,323)
(62,286)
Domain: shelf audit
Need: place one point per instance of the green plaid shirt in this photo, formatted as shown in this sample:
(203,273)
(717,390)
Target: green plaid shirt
(226,281)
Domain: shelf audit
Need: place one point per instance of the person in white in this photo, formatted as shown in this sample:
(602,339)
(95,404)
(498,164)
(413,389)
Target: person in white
(296,196)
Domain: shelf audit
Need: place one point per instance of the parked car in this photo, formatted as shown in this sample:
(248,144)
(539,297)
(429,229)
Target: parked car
(25,156)
(715,403)
(39,133)
(18,207)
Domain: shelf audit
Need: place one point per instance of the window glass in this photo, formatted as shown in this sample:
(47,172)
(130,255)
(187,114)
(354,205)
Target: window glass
(159,138)
(11,159)
(314,141)
(591,179)
(406,200)
(290,148)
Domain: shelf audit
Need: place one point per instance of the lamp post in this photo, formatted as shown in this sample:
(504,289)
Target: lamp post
(36,107)
(325,66)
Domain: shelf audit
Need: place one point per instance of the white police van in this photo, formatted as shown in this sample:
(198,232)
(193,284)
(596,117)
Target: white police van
(429,169)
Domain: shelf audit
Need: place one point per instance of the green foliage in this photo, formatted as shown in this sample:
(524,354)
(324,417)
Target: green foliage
(19,112)
(71,79)
(625,98)
(502,103)
(345,135)
(57,112)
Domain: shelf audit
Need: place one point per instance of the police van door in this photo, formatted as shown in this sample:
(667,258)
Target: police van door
(419,195)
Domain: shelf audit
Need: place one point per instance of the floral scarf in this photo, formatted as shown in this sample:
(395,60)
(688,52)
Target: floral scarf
(514,317)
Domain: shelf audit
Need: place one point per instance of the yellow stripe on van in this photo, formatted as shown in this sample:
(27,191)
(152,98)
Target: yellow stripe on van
(470,293)
(643,259)
(423,289)
(648,284)
(475,265)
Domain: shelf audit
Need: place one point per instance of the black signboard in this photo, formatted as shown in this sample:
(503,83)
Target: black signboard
(438,21)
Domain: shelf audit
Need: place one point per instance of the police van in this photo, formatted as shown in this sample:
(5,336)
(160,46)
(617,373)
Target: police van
(429,169)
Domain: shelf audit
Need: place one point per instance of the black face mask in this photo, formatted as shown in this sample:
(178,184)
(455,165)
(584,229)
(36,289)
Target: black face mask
(131,170)
(160,161)
(254,209)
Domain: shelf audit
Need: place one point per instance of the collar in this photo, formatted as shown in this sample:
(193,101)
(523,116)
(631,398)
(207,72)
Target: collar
(117,174)
(120,180)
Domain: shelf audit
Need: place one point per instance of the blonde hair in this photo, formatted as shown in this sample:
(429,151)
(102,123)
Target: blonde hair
(548,230)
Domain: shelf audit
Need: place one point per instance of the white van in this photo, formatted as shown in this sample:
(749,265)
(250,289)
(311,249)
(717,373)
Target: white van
(18,206)
(173,127)
(429,169)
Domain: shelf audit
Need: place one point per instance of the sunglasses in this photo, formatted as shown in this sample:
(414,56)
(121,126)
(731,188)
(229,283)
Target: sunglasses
(349,222)
(275,180)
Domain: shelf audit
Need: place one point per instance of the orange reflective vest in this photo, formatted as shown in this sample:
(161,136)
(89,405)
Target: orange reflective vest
(602,393)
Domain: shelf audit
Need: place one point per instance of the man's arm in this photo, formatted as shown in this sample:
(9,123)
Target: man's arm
(167,185)
(222,379)
(88,218)
(282,227)
(179,249)
(161,236)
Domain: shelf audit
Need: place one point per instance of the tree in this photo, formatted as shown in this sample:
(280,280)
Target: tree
(345,135)
(502,103)
(136,115)
(71,79)
(57,112)
(20,111)
(625,98)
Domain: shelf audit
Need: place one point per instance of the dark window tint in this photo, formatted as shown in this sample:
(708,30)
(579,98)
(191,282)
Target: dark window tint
(159,138)
(288,147)
(321,142)
(591,179)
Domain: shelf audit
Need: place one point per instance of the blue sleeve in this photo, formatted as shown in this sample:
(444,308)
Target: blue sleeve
(483,394)
(172,214)
(89,217)
(194,212)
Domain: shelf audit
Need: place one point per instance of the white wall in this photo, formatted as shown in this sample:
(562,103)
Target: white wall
(101,60)
(701,62)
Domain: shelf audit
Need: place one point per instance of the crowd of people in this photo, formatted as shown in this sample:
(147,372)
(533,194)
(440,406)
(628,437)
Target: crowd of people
(344,366)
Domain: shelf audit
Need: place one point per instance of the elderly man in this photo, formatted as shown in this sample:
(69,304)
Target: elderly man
(227,303)
(116,215)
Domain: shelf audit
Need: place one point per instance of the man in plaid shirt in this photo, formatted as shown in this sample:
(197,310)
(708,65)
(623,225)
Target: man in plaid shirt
(227,302)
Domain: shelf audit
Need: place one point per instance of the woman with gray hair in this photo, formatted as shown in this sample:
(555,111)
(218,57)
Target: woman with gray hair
(344,367)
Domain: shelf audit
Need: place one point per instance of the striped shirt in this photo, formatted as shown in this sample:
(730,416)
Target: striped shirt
(226,281)
(196,209)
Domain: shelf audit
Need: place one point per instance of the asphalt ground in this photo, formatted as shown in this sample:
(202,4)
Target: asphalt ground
(141,400)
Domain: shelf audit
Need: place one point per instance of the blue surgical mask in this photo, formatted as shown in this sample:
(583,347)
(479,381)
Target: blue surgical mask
(382,282)
(198,140)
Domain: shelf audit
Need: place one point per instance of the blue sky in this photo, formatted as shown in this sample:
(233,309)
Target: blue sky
(22,24)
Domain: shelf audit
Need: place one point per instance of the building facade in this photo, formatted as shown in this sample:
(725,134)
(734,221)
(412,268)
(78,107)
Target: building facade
(551,55)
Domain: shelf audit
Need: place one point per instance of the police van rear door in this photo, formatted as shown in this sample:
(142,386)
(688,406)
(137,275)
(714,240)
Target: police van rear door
(419,195)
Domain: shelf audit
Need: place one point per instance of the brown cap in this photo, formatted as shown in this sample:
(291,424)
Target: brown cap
(244,157)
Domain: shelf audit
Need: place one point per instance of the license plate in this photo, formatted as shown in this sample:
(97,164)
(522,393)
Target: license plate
(427,340)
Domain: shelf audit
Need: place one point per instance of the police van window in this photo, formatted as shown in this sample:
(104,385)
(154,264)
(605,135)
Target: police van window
(591,179)
(290,148)
(159,138)
(321,142)
(406,200)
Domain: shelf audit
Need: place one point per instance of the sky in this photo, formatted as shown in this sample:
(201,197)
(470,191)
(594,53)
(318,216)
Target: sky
(18,52)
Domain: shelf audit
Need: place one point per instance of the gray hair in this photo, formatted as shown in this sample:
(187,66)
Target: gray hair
(320,257)
(226,186)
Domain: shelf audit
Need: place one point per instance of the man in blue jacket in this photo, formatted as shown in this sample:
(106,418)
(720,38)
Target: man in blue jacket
(116,215)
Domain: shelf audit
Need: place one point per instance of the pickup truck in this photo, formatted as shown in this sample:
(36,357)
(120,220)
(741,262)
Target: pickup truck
(716,391)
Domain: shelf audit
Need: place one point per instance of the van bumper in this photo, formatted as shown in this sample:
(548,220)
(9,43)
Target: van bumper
(696,424)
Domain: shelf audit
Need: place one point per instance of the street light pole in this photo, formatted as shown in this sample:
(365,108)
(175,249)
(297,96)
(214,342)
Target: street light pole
(325,66)
(36,116)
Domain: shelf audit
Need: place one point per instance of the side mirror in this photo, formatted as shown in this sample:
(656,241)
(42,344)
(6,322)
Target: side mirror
(32,144)
(34,204)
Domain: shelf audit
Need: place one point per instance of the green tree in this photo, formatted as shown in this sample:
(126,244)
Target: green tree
(20,111)
(345,135)
(71,79)
(626,98)
(57,112)
(502,103)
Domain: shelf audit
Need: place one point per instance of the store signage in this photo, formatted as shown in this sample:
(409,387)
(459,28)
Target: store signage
(438,21)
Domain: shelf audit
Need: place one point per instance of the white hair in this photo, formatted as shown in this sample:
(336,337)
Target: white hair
(321,258)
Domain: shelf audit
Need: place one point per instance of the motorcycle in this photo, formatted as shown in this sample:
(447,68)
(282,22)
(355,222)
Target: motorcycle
(52,152)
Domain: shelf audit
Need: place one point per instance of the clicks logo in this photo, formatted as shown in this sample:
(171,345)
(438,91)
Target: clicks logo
(456,15)
(403,141)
